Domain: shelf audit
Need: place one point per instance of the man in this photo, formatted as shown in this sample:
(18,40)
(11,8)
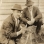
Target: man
(32,16)
(10,30)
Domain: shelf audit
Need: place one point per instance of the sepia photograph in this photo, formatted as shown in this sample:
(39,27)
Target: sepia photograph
(21,21)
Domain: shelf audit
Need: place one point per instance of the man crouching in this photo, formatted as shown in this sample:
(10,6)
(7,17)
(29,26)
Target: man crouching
(11,27)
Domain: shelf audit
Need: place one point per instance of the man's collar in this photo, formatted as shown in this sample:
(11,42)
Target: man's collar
(14,17)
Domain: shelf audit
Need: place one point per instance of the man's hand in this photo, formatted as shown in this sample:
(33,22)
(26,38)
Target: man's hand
(31,22)
(23,29)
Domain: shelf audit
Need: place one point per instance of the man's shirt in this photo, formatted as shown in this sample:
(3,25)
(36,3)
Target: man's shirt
(31,14)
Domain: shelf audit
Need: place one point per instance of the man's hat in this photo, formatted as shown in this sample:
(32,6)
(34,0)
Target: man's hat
(17,7)
(29,2)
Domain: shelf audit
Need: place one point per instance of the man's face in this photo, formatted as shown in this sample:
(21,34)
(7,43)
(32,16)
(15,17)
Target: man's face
(30,7)
(16,13)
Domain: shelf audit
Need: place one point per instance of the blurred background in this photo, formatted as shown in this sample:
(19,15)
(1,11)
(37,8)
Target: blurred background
(6,5)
